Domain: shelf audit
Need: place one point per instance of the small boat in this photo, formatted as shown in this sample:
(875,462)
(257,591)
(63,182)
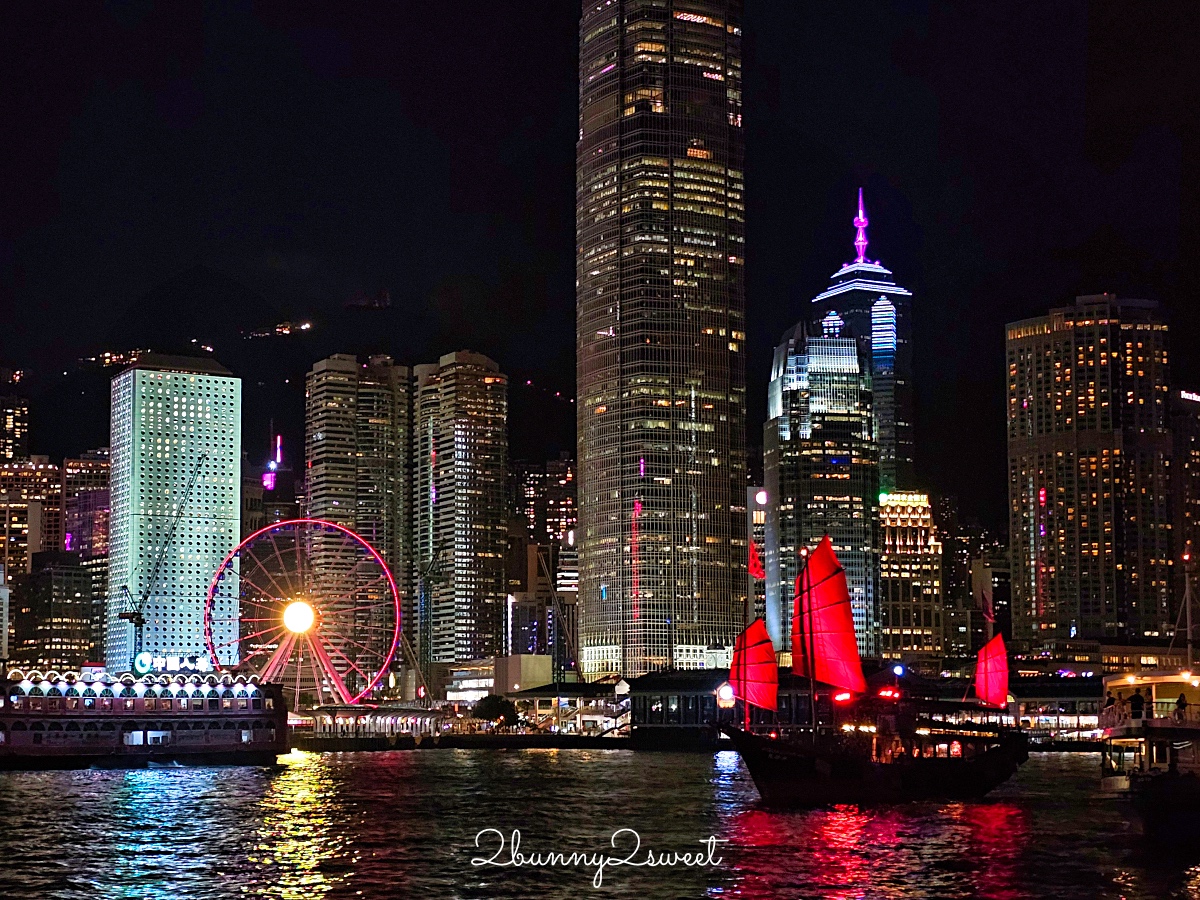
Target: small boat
(1150,754)
(877,743)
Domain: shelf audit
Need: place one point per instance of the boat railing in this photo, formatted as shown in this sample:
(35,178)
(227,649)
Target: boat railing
(1161,712)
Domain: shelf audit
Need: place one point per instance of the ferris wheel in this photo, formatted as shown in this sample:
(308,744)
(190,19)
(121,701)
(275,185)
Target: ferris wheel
(309,604)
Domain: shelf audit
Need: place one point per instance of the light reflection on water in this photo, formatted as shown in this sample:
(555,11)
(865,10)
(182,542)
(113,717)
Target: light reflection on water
(399,825)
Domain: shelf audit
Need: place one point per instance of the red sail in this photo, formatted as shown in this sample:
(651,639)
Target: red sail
(756,565)
(991,673)
(823,623)
(755,677)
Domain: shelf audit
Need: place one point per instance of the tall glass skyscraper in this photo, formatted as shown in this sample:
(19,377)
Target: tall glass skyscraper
(865,296)
(172,418)
(1089,466)
(821,465)
(660,332)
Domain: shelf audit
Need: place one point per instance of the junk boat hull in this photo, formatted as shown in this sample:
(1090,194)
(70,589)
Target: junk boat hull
(793,773)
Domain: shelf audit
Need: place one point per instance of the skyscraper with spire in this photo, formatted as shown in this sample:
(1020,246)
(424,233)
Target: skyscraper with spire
(864,296)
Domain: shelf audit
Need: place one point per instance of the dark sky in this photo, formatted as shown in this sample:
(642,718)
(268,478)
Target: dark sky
(174,170)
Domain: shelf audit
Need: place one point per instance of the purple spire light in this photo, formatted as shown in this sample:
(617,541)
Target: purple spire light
(860,222)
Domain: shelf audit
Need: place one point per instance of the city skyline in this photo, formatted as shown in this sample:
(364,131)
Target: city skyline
(982,231)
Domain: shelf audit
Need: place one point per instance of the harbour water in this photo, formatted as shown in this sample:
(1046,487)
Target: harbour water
(404,825)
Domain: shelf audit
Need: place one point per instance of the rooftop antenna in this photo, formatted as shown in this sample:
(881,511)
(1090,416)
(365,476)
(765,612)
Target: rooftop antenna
(860,223)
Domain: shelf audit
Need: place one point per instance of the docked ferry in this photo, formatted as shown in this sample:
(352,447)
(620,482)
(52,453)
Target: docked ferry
(881,744)
(1151,748)
(79,720)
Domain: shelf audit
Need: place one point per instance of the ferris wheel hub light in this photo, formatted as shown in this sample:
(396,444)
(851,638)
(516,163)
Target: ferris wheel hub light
(298,617)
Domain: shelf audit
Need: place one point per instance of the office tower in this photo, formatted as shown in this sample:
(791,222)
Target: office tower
(910,580)
(460,507)
(5,605)
(540,618)
(865,296)
(174,419)
(1089,448)
(53,620)
(1185,481)
(546,498)
(660,337)
(87,520)
(991,591)
(31,504)
(14,426)
(358,440)
(821,467)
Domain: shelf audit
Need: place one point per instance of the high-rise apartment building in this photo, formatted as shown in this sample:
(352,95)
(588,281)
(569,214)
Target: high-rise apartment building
(660,336)
(14,427)
(53,620)
(910,580)
(358,440)
(31,506)
(1089,450)
(821,469)
(460,509)
(1185,480)
(87,520)
(172,418)
(864,295)
(546,498)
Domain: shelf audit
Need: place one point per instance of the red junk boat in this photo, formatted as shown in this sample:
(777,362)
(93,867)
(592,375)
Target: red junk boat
(879,744)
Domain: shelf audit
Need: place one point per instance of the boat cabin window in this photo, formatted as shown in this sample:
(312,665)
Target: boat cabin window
(270,703)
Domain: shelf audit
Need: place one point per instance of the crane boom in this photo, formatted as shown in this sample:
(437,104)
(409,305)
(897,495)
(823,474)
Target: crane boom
(134,613)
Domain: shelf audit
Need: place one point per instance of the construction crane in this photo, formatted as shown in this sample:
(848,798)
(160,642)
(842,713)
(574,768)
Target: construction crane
(135,612)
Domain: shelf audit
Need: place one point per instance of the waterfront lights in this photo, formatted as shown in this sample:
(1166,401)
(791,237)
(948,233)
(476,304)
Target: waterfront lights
(889,693)
(897,670)
(298,617)
(725,696)
(843,697)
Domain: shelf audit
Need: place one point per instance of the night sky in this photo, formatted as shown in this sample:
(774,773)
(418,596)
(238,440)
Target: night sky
(177,171)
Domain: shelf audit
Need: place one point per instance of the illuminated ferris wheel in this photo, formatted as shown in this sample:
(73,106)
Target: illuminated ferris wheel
(308,604)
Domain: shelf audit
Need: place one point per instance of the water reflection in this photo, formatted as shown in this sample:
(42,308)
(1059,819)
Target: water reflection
(300,847)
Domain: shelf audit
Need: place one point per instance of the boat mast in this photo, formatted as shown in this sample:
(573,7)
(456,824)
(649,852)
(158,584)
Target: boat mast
(1187,598)
(808,645)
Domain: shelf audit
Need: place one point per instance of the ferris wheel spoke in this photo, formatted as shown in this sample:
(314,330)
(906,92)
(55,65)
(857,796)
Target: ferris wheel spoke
(279,557)
(330,670)
(263,591)
(279,658)
(249,637)
(349,661)
(351,595)
(362,646)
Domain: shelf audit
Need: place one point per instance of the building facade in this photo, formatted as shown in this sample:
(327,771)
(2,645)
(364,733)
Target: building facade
(359,445)
(660,338)
(460,521)
(864,295)
(821,469)
(173,419)
(911,603)
(53,620)
(31,504)
(14,427)
(1089,452)
(1185,481)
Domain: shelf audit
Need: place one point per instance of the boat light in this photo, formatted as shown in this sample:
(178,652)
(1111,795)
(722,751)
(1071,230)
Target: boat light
(889,693)
(843,697)
(847,728)
(897,670)
(1131,678)
(725,696)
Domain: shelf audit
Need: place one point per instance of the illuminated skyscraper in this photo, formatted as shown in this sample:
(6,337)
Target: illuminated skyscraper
(172,417)
(864,295)
(1089,451)
(660,333)
(31,503)
(910,580)
(358,437)
(822,473)
(14,427)
(460,507)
